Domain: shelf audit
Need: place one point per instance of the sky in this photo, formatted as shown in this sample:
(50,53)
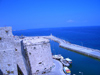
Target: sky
(28,14)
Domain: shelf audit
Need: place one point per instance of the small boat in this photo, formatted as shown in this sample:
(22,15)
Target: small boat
(69,60)
(57,57)
(64,62)
(67,70)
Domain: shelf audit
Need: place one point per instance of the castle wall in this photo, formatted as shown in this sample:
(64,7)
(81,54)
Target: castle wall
(32,55)
(39,53)
(20,59)
(11,53)
(6,32)
(7,52)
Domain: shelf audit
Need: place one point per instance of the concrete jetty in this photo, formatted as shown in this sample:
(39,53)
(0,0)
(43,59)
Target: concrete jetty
(76,48)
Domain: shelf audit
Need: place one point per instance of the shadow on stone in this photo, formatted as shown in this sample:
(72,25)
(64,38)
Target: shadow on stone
(1,73)
(19,71)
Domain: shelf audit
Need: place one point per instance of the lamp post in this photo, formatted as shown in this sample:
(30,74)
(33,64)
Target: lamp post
(81,73)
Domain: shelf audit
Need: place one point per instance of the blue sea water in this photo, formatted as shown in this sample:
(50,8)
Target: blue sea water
(85,36)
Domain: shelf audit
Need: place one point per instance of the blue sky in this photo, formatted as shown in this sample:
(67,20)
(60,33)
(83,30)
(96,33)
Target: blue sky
(28,14)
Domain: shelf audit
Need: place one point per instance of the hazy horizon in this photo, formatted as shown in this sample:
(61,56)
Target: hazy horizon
(53,27)
(24,14)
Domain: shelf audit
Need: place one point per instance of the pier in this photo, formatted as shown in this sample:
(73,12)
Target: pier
(94,53)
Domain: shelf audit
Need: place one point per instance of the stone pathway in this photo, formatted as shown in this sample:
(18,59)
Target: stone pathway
(57,70)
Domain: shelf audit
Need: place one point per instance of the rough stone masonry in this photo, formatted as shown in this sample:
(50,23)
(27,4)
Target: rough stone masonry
(39,53)
(27,56)
(7,52)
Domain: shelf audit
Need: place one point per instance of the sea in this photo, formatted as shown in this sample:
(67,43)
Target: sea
(88,36)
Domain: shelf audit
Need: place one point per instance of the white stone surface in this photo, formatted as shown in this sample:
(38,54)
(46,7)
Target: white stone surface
(39,52)
(34,40)
(7,62)
(7,52)
(6,32)
(20,60)
(35,58)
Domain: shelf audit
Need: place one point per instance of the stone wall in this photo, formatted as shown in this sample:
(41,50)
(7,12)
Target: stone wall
(39,53)
(11,53)
(8,63)
(6,38)
(6,32)
(32,55)
(20,59)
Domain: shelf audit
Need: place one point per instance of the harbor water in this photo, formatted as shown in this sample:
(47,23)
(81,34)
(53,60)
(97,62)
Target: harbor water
(84,36)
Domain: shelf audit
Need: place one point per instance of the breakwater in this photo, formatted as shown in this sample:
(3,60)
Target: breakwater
(76,48)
